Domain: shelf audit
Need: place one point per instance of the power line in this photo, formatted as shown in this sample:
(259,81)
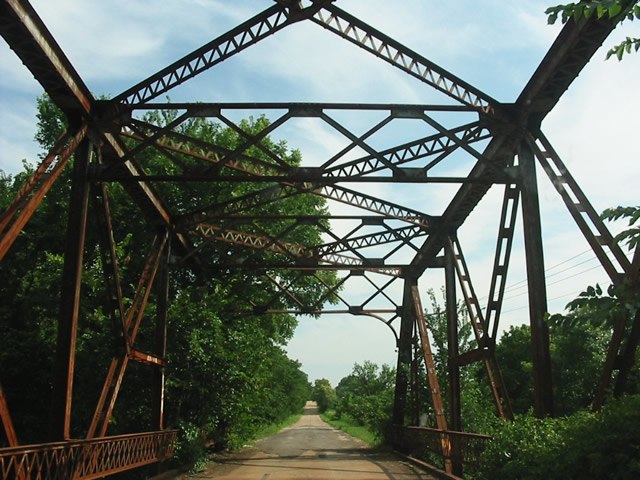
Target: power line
(523,283)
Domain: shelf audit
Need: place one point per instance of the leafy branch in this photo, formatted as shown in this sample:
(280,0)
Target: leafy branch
(600,9)
(631,235)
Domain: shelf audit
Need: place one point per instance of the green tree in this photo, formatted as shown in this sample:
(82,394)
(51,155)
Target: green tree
(226,375)
(366,396)
(323,394)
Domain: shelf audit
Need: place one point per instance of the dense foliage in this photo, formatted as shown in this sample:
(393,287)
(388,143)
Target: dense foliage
(323,394)
(226,375)
(584,445)
(366,396)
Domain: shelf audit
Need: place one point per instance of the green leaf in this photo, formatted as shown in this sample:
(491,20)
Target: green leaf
(614,10)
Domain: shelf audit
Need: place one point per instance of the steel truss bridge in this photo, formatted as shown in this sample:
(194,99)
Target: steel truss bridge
(501,141)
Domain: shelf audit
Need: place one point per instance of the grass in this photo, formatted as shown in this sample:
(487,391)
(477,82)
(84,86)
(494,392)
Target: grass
(349,426)
(269,430)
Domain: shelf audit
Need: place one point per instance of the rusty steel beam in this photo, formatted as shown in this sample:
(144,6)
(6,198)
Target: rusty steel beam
(239,205)
(331,192)
(390,235)
(568,55)
(297,175)
(37,186)
(434,383)
(86,459)
(500,152)
(405,355)
(303,109)
(118,365)
(253,140)
(239,38)
(27,35)
(162,318)
(110,269)
(615,263)
(331,290)
(372,204)
(504,244)
(7,423)
(358,32)
(175,142)
(62,394)
(146,358)
(311,265)
(453,370)
(486,345)
(570,52)
(439,143)
(541,357)
(357,141)
(146,197)
(32,42)
(432,376)
(273,245)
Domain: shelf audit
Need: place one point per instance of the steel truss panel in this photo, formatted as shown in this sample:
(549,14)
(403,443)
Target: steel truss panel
(358,32)
(248,33)
(86,459)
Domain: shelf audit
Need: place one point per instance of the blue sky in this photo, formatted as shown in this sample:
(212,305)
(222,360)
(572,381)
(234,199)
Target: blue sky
(493,45)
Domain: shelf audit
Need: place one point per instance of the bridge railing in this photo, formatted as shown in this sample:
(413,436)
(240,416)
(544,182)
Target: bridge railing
(86,459)
(427,444)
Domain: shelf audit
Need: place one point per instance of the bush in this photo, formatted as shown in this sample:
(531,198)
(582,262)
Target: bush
(585,445)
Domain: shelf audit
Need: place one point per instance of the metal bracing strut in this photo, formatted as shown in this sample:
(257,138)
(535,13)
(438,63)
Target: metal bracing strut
(432,376)
(486,345)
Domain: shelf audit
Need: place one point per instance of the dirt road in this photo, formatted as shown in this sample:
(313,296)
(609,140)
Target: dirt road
(312,450)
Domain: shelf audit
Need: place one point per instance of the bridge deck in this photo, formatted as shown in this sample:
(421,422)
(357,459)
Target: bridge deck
(311,449)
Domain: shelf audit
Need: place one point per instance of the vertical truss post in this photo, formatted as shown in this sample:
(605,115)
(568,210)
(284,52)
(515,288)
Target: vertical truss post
(161,340)
(455,413)
(432,376)
(405,351)
(451,305)
(611,256)
(542,383)
(415,387)
(627,357)
(70,297)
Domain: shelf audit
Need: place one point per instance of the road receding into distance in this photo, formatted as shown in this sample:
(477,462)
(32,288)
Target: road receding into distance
(311,449)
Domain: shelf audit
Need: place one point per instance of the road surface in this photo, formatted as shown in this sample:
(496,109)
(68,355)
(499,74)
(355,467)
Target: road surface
(312,450)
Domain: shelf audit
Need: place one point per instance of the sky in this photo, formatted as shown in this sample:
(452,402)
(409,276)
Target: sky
(494,45)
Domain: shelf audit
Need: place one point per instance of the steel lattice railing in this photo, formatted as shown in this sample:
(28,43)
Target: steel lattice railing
(86,459)
(418,442)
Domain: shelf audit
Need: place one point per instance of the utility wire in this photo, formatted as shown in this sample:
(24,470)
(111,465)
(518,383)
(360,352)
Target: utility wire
(523,283)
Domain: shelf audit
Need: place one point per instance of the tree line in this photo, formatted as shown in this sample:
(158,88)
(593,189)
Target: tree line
(227,375)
